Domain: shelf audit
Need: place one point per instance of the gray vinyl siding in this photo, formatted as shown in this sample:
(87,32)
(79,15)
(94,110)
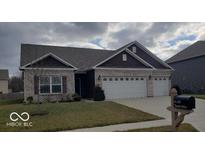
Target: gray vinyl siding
(117,62)
(190,75)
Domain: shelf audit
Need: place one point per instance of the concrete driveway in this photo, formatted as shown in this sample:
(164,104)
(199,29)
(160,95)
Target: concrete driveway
(158,105)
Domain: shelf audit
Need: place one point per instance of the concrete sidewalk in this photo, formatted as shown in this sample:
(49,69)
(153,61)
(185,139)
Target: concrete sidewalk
(124,127)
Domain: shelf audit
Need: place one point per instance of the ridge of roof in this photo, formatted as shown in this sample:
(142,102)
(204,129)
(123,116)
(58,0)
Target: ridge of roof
(57,46)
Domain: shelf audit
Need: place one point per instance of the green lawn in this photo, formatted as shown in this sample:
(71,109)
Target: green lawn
(198,96)
(66,116)
(183,128)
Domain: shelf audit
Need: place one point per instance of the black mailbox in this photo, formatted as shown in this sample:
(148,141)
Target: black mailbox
(184,102)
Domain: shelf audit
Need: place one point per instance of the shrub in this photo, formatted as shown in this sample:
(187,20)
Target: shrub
(99,94)
(179,92)
(29,99)
(76,97)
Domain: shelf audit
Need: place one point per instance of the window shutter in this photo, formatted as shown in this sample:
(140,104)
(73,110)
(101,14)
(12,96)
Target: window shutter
(36,85)
(64,84)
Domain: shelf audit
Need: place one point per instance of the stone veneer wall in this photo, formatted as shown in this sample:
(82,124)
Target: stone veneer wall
(144,73)
(29,83)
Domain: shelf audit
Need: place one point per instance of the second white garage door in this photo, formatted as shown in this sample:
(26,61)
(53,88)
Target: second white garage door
(161,86)
(124,87)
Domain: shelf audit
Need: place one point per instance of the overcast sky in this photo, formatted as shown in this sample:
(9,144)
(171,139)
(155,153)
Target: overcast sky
(163,39)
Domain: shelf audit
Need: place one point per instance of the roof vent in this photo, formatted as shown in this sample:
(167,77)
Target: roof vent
(134,49)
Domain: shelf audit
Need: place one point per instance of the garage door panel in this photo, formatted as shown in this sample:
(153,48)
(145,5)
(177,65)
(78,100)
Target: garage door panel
(161,86)
(124,88)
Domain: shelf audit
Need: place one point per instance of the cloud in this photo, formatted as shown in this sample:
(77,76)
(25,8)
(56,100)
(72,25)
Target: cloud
(163,39)
(70,34)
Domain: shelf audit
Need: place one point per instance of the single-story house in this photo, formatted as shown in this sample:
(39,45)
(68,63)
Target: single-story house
(51,72)
(189,66)
(4,77)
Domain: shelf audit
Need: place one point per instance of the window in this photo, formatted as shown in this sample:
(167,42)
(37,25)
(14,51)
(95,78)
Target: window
(116,79)
(121,79)
(127,79)
(124,57)
(44,85)
(50,84)
(110,79)
(142,78)
(56,84)
(104,79)
(132,79)
(136,78)
(134,49)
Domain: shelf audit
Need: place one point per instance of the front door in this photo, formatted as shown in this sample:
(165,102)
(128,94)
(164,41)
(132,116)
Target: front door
(81,84)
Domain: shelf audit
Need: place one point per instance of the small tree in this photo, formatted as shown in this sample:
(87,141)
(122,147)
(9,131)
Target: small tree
(99,94)
(16,83)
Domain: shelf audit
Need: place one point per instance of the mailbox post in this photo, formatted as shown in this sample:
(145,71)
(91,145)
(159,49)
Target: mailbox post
(177,114)
(173,113)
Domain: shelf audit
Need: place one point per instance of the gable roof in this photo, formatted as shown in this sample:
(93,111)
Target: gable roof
(195,50)
(80,58)
(127,51)
(4,74)
(46,56)
(152,58)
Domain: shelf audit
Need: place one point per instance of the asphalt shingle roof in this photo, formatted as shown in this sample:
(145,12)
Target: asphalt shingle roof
(4,75)
(82,58)
(195,50)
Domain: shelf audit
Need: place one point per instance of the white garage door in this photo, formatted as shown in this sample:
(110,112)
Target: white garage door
(124,87)
(161,86)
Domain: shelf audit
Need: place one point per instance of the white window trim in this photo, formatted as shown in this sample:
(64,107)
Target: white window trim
(50,85)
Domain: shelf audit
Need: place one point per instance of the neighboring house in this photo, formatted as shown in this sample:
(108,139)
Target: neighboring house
(130,71)
(189,65)
(4,77)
